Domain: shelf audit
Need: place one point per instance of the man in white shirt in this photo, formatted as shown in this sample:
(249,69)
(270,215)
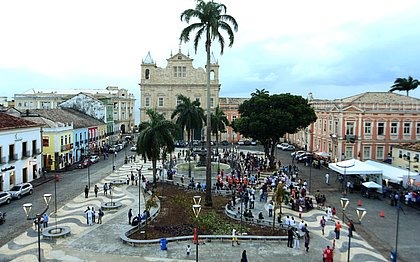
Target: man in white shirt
(327,178)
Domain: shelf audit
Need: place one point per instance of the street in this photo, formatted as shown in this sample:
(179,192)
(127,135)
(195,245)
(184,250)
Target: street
(70,184)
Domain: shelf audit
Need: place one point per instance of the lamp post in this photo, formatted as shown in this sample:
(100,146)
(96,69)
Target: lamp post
(310,172)
(88,173)
(27,208)
(139,180)
(241,194)
(394,254)
(408,158)
(344,203)
(196,208)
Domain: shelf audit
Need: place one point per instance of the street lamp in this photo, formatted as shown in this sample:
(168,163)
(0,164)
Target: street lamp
(310,172)
(395,253)
(407,157)
(27,208)
(196,208)
(241,194)
(140,180)
(344,203)
(361,212)
(88,173)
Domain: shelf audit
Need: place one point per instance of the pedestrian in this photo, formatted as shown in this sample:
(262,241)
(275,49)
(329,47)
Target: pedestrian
(86,191)
(333,211)
(351,228)
(296,239)
(329,213)
(132,178)
(234,238)
(130,215)
(106,189)
(328,255)
(188,249)
(244,257)
(337,230)
(100,215)
(322,223)
(96,189)
(290,237)
(306,239)
(93,215)
(128,180)
(45,218)
(270,209)
(327,178)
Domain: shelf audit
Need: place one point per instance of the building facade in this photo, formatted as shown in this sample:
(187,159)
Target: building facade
(159,87)
(230,107)
(364,126)
(20,151)
(119,100)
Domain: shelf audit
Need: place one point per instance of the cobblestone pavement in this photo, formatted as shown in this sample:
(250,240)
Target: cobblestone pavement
(101,242)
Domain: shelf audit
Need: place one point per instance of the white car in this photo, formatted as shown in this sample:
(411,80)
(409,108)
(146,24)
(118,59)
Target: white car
(282,146)
(5,197)
(94,159)
(22,189)
(133,148)
(296,153)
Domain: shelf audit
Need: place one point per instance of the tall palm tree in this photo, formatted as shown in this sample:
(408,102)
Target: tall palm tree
(211,17)
(190,116)
(156,134)
(219,122)
(404,84)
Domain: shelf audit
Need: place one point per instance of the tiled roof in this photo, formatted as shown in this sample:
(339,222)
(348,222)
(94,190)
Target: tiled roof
(69,116)
(380,97)
(11,122)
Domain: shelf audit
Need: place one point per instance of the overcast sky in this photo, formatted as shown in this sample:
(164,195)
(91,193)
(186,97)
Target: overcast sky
(331,48)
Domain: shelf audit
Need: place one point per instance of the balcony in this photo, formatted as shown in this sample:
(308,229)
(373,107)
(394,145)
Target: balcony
(351,138)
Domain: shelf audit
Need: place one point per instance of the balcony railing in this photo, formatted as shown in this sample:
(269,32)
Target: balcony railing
(351,138)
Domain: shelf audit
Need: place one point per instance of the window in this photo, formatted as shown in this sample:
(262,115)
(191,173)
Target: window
(147,101)
(394,128)
(349,152)
(349,128)
(407,128)
(33,147)
(24,149)
(418,129)
(330,128)
(366,152)
(400,154)
(335,127)
(368,128)
(45,141)
(211,102)
(12,152)
(147,74)
(160,101)
(325,125)
(381,128)
(180,71)
(380,152)
(233,118)
(416,158)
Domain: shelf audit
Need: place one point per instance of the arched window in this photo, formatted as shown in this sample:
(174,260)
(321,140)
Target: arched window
(212,75)
(147,74)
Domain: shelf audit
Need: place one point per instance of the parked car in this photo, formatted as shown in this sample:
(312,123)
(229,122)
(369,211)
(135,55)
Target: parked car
(85,163)
(94,159)
(22,189)
(247,142)
(225,143)
(282,146)
(133,148)
(241,142)
(289,148)
(180,143)
(253,143)
(304,157)
(297,153)
(5,198)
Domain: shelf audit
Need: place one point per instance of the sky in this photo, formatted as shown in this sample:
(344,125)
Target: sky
(330,48)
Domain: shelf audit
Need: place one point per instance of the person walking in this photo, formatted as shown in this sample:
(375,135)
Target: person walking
(86,191)
(130,215)
(329,213)
(234,237)
(96,190)
(296,239)
(290,237)
(45,219)
(106,189)
(337,230)
(328,254)
(307,239)
(351,228)
(327,178)
(93,215)
(100,215)
(270,209)
(322,223)
(244,257)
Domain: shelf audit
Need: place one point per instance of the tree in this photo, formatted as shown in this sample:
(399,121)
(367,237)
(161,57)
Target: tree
(267,118)
(189,115)
(278,198)
(156,134)
(219,122)
(211,17)
(404,84)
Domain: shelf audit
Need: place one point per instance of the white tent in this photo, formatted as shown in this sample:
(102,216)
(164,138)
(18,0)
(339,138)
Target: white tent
(354,167)
(371,184)
(392,173)
(323,154)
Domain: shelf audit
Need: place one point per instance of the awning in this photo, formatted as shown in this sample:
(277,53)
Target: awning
(371,184)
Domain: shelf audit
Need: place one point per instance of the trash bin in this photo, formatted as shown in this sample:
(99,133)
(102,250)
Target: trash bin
(163,244)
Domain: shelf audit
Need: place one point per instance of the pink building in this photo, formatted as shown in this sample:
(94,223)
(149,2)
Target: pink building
(364,126)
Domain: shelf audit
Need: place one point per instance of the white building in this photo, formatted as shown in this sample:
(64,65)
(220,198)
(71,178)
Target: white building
(20,151)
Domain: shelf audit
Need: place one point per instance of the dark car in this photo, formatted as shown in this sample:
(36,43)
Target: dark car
(225,143)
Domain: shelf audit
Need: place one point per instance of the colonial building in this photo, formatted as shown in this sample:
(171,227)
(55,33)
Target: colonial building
(363,126)
(20,151)
(230,107)
(159,87)
(119,100)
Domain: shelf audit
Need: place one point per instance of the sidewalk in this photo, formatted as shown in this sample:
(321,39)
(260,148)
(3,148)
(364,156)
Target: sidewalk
(101,242)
